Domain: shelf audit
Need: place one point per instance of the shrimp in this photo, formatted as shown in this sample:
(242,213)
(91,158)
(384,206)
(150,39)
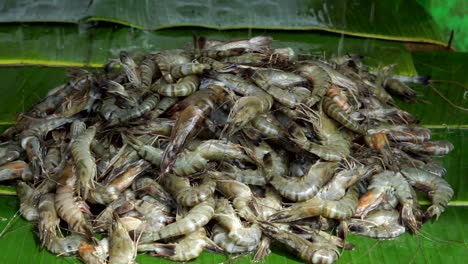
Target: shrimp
(195,109)
(404,133)
(220,237)
(431,148)
(162,106)
(192,161)
(383,183)
(122,248)
(15,170)
(288,98)
(155,215)
(255,44)
(334,111)
(185,86)
(306,187)
(169,58)
(336,188)
(306,250)
(380,224)
(84,161)
(319,79)
(48,219)
(246,176)
(187,195)
(397,87)
(148,186)
(196,218)
(105,194)
(254,102)
(69,207)
(241,197)
(9,151)
(182,70)
(186,249)
(124,116)
(130,68)
(65,246)
(340,209)
(438,190)
(157,126)
(94,254)
(148,70)
(240,235)
(251,59)
(28,208)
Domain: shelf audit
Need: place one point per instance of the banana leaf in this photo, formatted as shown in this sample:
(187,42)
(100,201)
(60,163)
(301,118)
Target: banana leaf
(395,20)
(66,45)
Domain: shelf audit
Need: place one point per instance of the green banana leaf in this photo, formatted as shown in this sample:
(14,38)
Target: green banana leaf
(395,20)
(440,241)
(66,45)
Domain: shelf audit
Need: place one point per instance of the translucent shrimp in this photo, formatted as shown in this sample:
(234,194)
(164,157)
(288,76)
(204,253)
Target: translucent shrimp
(191,161)
(28,208)
(195,109)
(254,101)
(438,190)
(221,238)
(380,224)
(123,116)
(84,161)
(187,195)
(431,148)
(340,209)
(241,197)
(304,188)
(69,207)
(184,86)
(48,219)
(105,194)
(9,151)
(334,111)
(394,86)
(388,181)
(257,44)
(319,79)
(236,231)
(95,254)
(148,186)
(15,170)
(306,250)
(122,248)
(65,246)
(130,68)
(195,218)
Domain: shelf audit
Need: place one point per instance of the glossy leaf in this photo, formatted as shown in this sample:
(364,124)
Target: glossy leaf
(65,45)
(396,20)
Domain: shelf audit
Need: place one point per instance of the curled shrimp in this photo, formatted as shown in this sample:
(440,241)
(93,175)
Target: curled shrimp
(380,224)
(387,181)
(438,190)
(95,254)
(192,161)
(65,246)
(334,111)
(167,59)
(221,238)
(241,197)
(340,209)
(84,161)
(148,186)
(123,116)
(195,218)
(306,250)
(320,80)
(187,195)
(9,152)
(303,188)
(130,68)
(240,235)
(184,86)
(148,70)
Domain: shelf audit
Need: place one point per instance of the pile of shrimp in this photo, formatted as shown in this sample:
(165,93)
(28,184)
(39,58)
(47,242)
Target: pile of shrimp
(227,147)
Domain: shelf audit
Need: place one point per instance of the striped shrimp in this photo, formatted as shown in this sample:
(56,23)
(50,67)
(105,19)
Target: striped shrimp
(340,209)
(334,111)
(187,195)
(130,68)
(69,207)
(122,248)
(196,217)
(221,238)
(48,219)
(438,190)
(319,79)
(28,203)
(380,224)
(123,116)
(85,164)
(184,86)
(236,231)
